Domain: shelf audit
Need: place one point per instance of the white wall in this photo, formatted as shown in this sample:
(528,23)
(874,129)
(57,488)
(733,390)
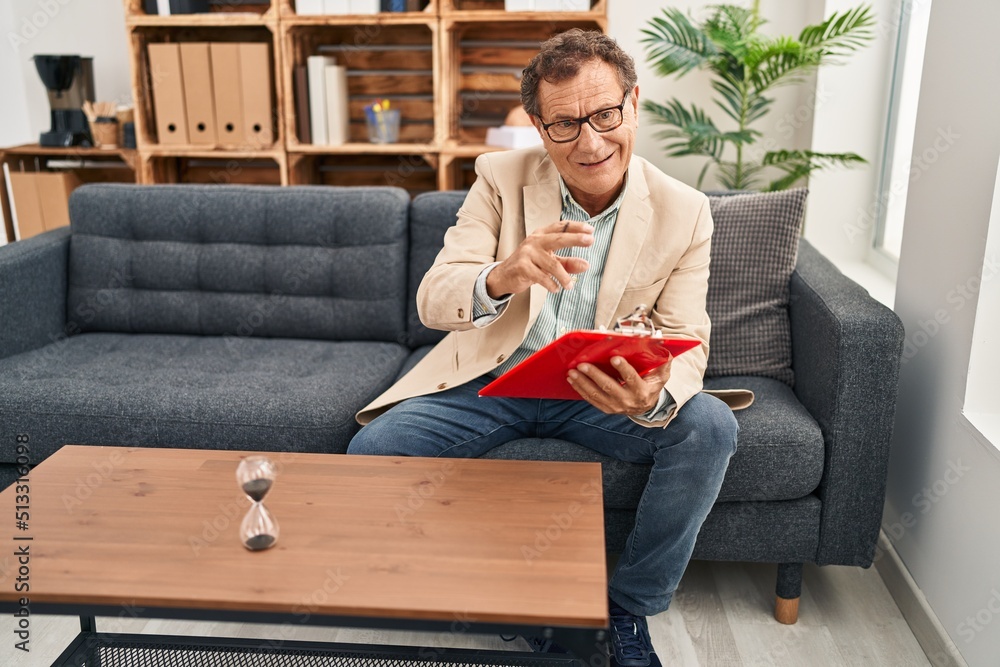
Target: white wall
(790,121)
(80,27)
(944,480)
(14,125)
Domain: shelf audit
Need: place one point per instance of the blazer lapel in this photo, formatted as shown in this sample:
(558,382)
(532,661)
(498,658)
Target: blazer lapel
(627,242)
(542,206)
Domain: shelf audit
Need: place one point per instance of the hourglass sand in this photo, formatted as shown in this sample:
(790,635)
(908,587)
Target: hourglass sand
(255,475)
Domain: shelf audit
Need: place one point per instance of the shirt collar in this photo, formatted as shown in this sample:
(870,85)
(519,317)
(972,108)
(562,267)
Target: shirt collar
(569,202)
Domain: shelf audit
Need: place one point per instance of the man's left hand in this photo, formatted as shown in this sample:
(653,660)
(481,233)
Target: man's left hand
(632,394)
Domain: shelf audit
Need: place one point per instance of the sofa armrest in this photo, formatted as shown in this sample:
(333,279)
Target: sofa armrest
(846,350)
(33,296)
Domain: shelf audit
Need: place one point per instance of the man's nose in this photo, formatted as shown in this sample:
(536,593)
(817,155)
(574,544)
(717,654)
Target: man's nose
(589,137)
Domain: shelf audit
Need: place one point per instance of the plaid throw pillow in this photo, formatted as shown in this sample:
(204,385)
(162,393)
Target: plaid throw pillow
(754,247)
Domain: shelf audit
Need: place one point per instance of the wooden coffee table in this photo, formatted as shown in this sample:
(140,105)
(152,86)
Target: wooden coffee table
(452,545)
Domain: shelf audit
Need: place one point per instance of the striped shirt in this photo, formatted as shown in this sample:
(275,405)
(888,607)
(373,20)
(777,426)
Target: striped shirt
(565,310)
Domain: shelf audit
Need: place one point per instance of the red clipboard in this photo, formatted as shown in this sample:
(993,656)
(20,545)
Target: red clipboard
(543,374)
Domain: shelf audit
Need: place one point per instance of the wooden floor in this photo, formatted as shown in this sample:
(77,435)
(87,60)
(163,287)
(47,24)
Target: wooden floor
(720,617)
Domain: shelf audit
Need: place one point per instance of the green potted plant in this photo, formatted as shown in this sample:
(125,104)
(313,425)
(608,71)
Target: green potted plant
(745,66)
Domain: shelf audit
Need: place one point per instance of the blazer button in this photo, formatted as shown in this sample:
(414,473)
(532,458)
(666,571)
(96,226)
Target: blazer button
(461,313)
(442,385)
(500,359)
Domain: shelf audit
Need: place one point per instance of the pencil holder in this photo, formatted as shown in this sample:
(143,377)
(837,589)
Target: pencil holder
(383,126)
(105,131)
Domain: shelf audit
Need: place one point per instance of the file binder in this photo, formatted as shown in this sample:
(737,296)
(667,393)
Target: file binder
(39,201)
(196,69)
(168,94)
(543,374)
(255,75)
(227,93)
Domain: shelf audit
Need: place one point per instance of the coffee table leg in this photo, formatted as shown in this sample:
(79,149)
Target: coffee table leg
(88,624)
(588,646)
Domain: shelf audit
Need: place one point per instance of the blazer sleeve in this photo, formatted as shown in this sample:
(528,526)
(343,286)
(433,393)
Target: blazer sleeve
(445,295)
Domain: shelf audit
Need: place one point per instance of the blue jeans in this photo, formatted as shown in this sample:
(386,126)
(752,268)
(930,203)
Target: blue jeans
(689,458)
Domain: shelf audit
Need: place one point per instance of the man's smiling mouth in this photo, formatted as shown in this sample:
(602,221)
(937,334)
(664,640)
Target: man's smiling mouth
(594,164)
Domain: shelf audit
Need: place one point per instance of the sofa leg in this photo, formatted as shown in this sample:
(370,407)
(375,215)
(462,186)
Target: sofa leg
(788,590)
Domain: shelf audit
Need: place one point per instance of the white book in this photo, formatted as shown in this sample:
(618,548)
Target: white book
(365,6)
(519,5)
(163,7)
(338,115)
(13,211)
(316,75)
(336,6)
(309,7)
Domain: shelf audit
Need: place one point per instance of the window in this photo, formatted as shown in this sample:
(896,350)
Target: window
(903,164)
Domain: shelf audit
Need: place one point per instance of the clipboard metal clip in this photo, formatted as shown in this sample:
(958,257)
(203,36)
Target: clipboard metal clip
(637,323)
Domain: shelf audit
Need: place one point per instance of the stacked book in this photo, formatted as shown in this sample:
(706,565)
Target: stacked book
(322,102)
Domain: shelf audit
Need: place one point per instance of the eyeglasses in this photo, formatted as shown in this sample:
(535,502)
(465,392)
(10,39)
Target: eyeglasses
(605,120)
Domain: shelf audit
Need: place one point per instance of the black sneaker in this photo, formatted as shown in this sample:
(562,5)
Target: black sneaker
(629,642)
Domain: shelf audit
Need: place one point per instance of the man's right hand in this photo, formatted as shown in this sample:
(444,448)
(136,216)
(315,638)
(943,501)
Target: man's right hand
(535,260)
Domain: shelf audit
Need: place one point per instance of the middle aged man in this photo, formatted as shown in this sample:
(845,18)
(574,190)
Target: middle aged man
(570,237)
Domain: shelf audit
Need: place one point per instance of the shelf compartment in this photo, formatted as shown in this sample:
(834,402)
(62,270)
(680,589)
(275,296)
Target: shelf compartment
(221,12)
(392,61)
(287,9)
(413,172)
(484,77)
(88,165)
(244,169)
(456,172)
(142,75)
(496,10)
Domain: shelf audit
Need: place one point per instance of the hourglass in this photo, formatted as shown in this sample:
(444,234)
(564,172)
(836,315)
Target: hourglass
(255,475)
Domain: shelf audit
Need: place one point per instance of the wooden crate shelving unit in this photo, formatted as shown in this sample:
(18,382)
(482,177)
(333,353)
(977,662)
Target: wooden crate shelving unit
(89,165)
(452,69)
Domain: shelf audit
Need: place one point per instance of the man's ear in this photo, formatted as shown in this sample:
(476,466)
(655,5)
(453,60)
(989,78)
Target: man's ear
(537,122)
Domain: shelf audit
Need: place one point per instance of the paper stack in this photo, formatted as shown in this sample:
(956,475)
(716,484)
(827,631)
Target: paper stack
(513,136)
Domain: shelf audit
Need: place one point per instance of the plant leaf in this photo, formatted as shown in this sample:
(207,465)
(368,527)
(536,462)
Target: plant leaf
(697,132)
(799,164)
(743,178)
(730,28)
(841,33)
(782,60)
(732,107)
(674,45)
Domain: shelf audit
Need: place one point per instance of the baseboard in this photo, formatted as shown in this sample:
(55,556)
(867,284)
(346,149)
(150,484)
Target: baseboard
(931,635)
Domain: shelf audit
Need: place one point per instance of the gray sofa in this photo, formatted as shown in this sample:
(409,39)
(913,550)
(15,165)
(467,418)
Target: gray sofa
(263,318)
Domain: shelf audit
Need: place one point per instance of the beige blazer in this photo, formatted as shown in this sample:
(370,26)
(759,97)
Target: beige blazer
(659,256)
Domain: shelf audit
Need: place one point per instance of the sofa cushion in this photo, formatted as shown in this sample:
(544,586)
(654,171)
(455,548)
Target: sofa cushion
(779,454)
(431,214)
(305,262)
(210,392)
(754,247)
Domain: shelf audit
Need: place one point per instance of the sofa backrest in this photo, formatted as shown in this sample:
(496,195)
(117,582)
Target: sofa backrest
(431,214)
(304,262)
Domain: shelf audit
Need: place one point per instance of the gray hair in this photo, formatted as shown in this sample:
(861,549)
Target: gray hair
(562,55)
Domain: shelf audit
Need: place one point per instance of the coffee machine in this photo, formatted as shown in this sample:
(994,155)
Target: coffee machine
(69,81)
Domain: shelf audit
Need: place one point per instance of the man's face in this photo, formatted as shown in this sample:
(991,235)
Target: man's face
(594,164)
